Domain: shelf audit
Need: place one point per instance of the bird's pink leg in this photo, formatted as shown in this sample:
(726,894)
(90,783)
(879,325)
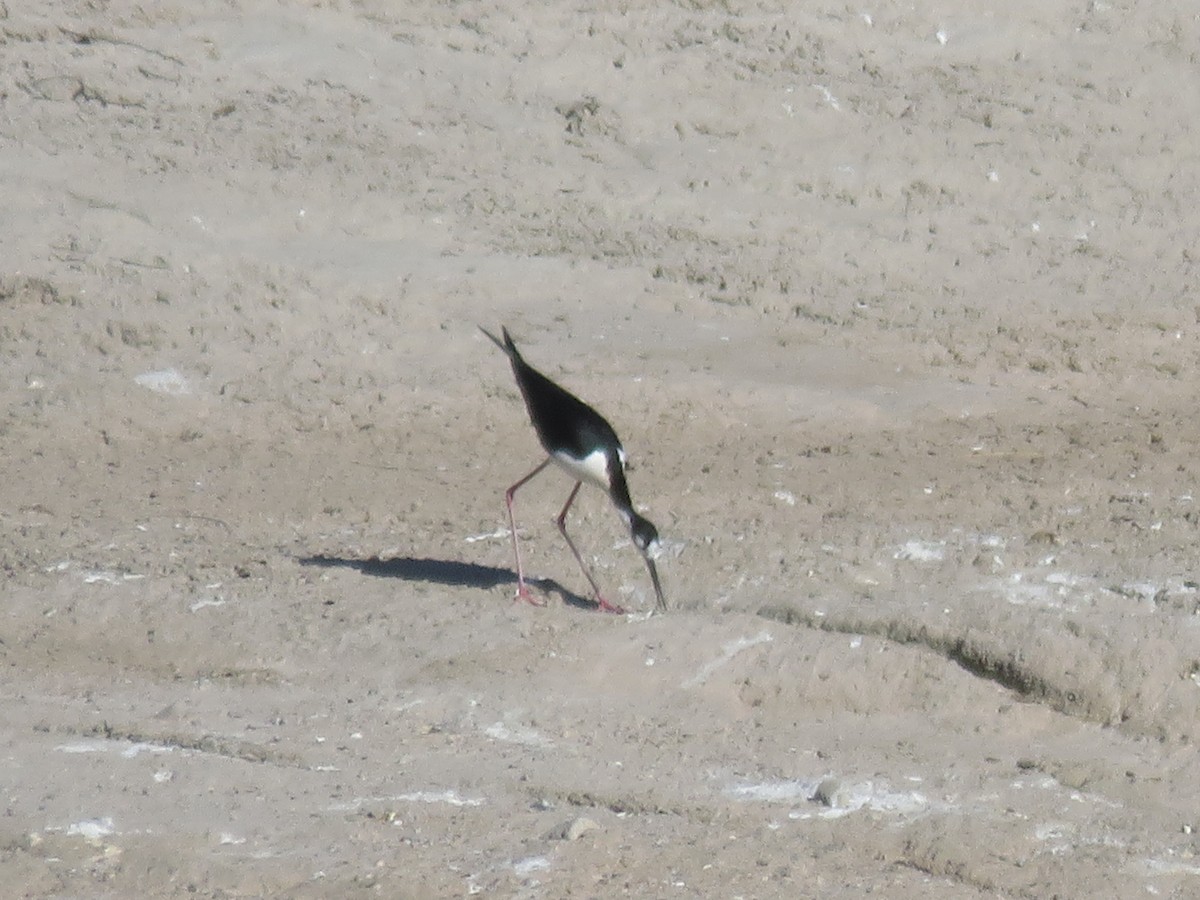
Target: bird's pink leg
(523,592)
(562,527)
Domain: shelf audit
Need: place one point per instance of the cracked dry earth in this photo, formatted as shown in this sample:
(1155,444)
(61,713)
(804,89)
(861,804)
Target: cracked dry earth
(894,311)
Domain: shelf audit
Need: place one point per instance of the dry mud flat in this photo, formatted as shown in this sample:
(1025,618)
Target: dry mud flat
(895,312)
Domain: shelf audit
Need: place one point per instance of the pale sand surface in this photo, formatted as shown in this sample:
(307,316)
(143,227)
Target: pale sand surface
(893,306)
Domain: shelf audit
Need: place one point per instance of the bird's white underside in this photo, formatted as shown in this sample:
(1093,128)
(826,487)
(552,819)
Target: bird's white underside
(593,468)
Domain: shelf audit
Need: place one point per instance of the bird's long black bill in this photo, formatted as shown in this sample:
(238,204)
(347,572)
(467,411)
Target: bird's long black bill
(658,591)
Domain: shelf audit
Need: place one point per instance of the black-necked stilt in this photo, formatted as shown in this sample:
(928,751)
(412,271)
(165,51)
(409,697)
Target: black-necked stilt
(580,440)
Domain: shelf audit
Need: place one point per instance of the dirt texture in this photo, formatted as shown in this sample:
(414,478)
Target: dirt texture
(893,307)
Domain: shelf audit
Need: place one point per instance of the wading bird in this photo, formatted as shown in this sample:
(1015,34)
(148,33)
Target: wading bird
(582,442)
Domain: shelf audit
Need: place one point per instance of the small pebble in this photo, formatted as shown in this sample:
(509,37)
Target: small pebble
(827,792)
(574,830)
(580,827)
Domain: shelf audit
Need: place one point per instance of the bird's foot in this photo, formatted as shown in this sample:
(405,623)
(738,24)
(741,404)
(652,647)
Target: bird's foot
(604,606)
(524,593)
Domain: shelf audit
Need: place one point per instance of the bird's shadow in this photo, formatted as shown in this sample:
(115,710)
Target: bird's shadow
(443,571)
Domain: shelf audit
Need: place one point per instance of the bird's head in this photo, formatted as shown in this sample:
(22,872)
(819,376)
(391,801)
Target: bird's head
(645,538)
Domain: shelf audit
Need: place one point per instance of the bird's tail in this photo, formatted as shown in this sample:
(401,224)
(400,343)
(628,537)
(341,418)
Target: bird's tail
(506,345)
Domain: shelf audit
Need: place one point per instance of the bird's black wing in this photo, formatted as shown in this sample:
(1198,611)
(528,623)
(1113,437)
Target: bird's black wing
(564,423)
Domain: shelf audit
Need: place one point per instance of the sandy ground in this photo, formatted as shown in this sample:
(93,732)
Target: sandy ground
(892,306)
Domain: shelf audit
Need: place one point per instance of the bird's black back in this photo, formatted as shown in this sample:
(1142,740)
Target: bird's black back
(564,423)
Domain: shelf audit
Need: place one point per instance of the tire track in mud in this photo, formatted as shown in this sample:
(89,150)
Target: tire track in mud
(212,745)
(984,659)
